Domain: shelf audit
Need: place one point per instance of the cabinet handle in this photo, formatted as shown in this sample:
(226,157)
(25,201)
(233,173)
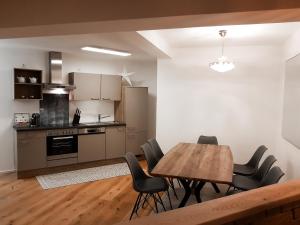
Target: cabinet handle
(95,99)
(130,128)
(106,99)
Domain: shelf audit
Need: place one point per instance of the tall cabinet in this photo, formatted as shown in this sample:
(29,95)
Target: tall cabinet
(133,110)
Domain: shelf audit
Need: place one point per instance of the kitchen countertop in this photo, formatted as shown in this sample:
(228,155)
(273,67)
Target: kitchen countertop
(68,126)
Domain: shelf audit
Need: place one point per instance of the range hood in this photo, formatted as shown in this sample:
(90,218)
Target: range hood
(56,85)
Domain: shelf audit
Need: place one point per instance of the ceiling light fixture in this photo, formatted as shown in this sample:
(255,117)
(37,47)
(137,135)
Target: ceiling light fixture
(222,64)
(105,51)
(56,61)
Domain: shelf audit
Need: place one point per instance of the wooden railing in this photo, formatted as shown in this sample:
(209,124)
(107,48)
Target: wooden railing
(272,205)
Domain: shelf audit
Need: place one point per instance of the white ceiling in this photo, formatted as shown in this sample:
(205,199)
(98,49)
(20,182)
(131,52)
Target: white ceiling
(126,41)
(257,34)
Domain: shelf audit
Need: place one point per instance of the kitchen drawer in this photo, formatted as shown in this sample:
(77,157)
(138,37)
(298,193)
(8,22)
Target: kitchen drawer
(30,135)
(62,162)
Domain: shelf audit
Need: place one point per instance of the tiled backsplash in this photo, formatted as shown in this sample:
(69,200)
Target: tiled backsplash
(54,109)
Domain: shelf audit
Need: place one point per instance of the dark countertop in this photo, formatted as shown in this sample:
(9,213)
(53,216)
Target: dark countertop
(68,126)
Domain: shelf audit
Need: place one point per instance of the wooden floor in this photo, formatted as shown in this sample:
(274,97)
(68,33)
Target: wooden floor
(24,202)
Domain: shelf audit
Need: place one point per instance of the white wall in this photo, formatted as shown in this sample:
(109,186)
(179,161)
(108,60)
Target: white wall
(288,153)
(38,59)
(242,107)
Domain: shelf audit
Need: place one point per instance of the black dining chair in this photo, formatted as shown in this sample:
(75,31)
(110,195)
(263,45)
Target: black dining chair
(158,153)
(272,177)
(149,156)
(251,166)
(209,140)
(156,148)
(152,162)
(251,182)
(146,186)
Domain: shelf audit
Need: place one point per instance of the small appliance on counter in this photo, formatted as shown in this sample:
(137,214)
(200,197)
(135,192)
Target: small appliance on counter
(35,119)
(76,117)
(21,119)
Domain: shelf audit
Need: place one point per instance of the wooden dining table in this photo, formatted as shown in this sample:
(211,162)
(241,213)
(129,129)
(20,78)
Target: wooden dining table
(194,165)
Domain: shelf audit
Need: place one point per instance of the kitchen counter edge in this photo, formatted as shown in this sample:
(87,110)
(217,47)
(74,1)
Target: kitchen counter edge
(17,128)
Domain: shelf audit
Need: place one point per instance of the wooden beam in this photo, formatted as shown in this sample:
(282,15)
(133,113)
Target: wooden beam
(258,206)
(15,13)
(253,17)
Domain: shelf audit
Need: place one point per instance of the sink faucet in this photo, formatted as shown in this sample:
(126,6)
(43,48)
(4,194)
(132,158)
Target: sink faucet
(101,117)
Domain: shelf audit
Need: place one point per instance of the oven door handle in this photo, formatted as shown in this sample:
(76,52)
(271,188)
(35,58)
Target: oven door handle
(63,138)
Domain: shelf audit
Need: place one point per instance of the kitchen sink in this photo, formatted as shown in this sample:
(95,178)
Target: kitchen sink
(100,123)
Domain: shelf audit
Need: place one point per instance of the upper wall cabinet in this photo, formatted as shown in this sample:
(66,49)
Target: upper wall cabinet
(95,87)
(27,83)
(111,87)
(87,86)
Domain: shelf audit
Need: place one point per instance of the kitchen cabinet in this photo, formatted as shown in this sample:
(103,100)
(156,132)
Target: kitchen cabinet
(115,142)
(132,110)
(91,147)
(87,86)
(111,87)
(31,150)
(27,89)
(134,140)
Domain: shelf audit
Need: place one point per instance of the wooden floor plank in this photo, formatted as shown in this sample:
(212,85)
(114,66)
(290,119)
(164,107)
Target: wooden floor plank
(24,202)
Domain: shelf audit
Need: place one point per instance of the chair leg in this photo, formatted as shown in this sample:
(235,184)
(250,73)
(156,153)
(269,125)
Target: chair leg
(173,187)
(228,189)
(135,208)
(160,200)
(178,181)
(154,199)
(215,186)
(145,200)
(168,193)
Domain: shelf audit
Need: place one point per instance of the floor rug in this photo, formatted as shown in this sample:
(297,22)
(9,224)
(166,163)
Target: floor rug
(82,176)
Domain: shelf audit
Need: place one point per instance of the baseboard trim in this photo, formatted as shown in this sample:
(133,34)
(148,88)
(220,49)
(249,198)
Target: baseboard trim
(7,171)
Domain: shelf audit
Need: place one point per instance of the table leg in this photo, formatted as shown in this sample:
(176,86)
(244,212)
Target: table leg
(188,192)
(198,190)
(215,186)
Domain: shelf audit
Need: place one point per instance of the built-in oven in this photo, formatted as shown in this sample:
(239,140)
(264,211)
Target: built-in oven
(62,144)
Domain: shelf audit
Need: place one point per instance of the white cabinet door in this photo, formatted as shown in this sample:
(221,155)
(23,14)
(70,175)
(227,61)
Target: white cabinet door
(111,87)
(91,147)
(87,86)
(115,142)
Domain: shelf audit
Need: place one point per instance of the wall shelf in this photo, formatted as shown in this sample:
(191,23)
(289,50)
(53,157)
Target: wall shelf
(27,90)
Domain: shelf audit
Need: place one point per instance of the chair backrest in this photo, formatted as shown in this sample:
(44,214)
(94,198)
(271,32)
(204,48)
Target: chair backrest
(209,140)
(156,148)
(254,161)
(272,177)
(150,156)
(265,167)
(136,170)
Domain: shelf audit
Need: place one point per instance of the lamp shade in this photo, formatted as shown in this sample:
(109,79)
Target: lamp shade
(222,65)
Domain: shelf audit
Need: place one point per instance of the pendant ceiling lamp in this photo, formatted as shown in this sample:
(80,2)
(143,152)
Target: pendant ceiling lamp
(222,64)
